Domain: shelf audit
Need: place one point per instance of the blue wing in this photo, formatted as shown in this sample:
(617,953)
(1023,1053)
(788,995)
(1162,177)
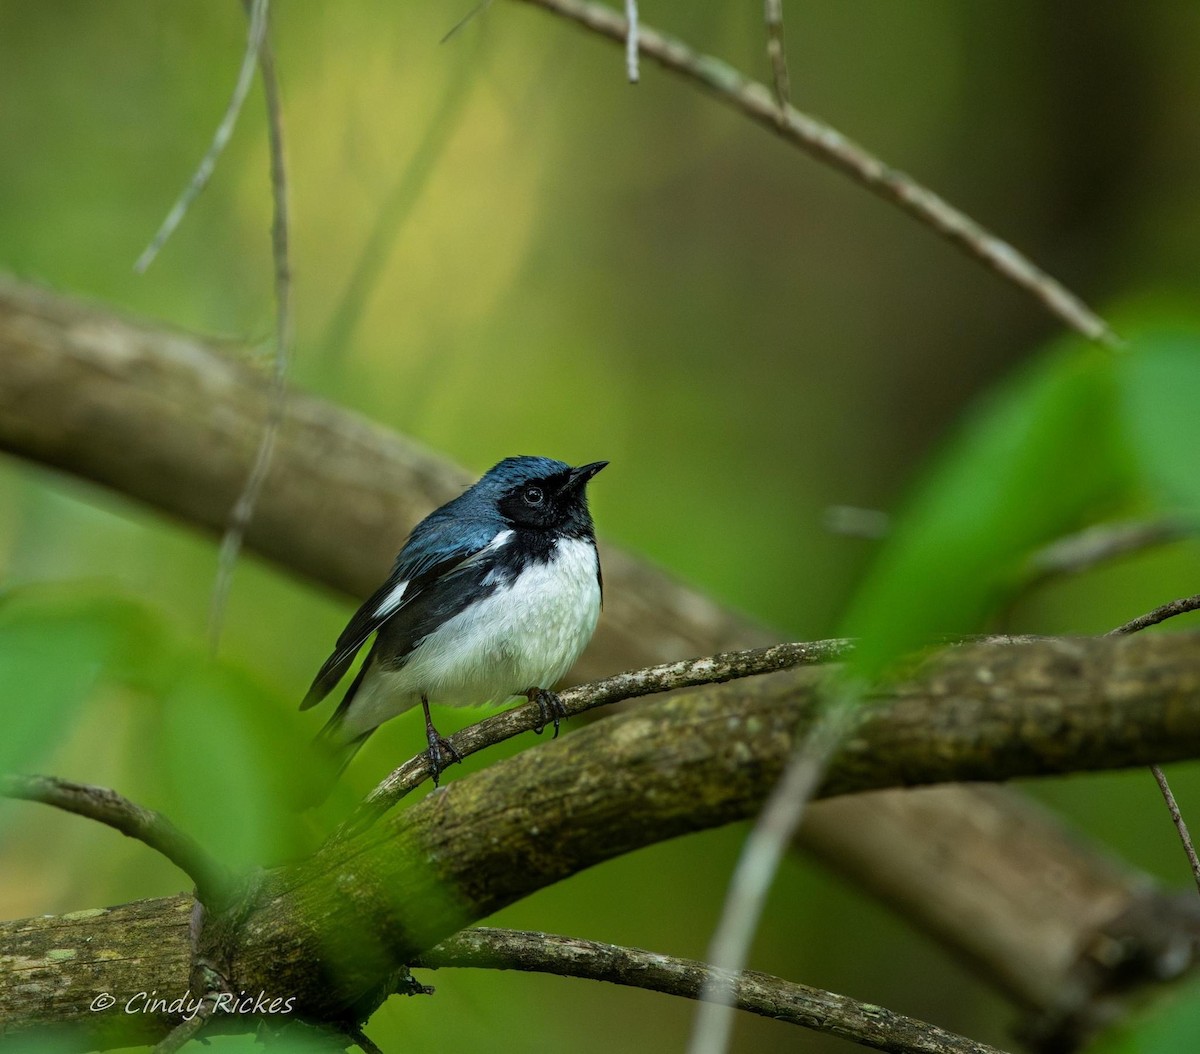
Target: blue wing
(438,545)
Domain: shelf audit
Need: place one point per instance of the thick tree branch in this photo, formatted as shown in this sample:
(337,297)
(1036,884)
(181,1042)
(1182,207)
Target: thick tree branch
(213,882)
(172,420)
(758,993)
(829,146)
(332,930)
(715,669)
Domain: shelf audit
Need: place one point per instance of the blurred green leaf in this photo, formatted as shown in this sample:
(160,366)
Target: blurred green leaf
(53,651)
(1160,399)
(219,758)
(1034,461)
(225,763)
(1171,1025)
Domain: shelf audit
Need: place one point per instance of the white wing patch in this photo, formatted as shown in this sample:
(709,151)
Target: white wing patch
(499,542)
(391,601)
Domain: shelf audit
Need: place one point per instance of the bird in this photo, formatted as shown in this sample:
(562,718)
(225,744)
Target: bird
(494,595)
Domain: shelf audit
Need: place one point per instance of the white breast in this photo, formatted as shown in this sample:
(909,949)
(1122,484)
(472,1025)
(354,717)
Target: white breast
(526,635)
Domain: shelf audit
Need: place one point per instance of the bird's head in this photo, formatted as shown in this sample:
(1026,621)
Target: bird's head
(541,493)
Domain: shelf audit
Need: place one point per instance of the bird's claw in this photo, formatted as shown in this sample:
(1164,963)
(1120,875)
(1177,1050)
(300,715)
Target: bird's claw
(551,707)
(441,755)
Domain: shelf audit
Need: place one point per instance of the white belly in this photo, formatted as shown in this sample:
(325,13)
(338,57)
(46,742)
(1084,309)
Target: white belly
(521,637)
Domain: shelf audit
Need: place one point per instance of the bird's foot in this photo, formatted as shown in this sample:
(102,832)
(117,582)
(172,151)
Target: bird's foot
(441,754)
(551,707)
(441,751)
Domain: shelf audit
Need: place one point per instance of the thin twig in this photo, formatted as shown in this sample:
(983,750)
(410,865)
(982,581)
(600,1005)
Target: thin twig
(758,993)
(686,673)
(773,15)
(254,38)
(483,5)
(1181,828)
(746,898)
(1152,618)
(243,509)
(631,41)
(1159,614)
(1095,545)
(364,1042)
(106,806)
(828,145)
(188,1030)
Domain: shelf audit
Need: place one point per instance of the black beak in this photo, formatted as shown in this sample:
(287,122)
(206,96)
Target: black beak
(579,477)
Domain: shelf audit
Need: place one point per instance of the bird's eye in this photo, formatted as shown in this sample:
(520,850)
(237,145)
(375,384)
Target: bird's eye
(533,496)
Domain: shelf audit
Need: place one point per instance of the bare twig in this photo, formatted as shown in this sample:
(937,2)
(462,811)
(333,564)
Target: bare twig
(188,1030)
(769,840)
(1159,614)
(773,15)
(243,509)
(1076,553)
(483,5)
(828,145)
(758,993)
(254,39)
(153,829)
(1181,828)
(1152,618)
(686,673)
(631,41)
(364,1042)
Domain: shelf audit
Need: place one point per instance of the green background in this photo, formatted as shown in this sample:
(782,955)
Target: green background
(567,265)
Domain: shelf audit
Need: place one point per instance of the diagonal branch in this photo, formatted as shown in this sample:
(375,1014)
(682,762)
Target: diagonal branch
(777,52)
(330,929)
(243,508)
(172,419)
(716,669)
(1153,618)
(254,37)
(106,806)
(695,760)
(829,146)
(758,993)
(1160,614)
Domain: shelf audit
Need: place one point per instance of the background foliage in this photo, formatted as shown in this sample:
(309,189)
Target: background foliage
(501,247)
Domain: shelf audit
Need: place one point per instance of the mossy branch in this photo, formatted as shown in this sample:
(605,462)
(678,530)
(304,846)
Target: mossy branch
(333,930)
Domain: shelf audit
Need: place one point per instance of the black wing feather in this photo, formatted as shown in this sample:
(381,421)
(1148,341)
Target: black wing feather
(429,555)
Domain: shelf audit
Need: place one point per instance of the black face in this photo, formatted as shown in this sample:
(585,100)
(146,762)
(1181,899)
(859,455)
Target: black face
(556,502)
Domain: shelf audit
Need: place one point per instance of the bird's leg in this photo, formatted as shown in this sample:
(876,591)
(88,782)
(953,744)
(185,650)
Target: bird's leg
(550,705)
(439,746)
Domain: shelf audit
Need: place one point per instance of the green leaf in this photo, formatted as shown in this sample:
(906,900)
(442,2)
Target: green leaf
(1160,389)
(52,655)
(1037,459)
(221,758)
(226,762)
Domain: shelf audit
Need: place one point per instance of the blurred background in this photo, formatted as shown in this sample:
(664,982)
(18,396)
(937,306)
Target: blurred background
(501,247)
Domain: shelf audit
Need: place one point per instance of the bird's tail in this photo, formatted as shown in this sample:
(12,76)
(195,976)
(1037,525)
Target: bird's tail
(334,754)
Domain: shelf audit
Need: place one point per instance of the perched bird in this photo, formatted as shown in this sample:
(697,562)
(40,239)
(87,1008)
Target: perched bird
(494,595)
